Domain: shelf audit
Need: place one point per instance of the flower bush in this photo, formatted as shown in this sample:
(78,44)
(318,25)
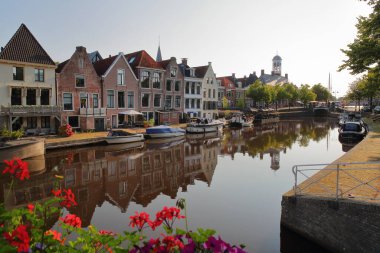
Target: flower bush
(26,229)
(65,130)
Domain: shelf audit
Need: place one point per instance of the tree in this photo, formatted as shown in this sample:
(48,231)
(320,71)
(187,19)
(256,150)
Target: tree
(364,53)
(357,90)
(292,91)
(322,92)
(372,86)
(306,94)
(240,103)
(225,103)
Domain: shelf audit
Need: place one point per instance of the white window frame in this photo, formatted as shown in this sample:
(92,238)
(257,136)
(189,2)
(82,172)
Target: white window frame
(133,102)
(84,79)
(122,72)
(113,99)
(142,94)
(160,100)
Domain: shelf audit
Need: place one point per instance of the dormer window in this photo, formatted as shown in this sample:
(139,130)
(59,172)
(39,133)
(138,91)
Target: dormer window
(120,76)
(192,72)
(173,72)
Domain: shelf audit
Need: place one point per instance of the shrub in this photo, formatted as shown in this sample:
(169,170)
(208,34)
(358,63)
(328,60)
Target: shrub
(65,130)
(151,122)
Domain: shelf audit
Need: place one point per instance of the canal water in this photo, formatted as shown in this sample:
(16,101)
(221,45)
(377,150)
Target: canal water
(232,182)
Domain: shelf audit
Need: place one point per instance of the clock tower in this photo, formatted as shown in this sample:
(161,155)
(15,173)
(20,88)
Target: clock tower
(276,65)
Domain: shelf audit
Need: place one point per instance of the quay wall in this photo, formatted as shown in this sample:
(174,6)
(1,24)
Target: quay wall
(344,226)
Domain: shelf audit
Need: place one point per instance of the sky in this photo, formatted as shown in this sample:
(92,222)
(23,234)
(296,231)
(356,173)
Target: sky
(237,36)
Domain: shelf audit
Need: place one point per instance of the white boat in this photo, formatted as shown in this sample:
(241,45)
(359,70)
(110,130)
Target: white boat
(119,136)
(204,126)
(164,132)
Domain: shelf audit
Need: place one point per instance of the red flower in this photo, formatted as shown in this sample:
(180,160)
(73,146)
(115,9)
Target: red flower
(167,216)
(72,220)
(139,220)
(19,238)
(68,197)
(31,208)
(17,167)
(172,242)
(106,232)
(56,235)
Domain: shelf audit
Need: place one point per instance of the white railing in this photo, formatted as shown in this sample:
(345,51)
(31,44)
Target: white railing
(31,109)
(93,111)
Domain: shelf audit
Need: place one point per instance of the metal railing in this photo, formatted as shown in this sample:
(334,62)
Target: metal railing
(31,109)
(356,180)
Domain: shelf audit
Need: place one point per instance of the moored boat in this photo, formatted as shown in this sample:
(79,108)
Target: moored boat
(266,117)
(164,132)
(120,136)
(23,148)
(352,131)
(204,126)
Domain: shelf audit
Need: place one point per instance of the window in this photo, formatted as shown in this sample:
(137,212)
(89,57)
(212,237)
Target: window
(110,98)
(157,100)
(131,99)
(73,121)
(156,80)
(192,103)
(168,101)
(187,87)
(79,81)
(31,122)
(31,96)
(145,100)
(198,103)
(39,75)
(177,101)
(144,79)
(45,122)
(168,85)
(45,96)
(80,63)
(191,72)
(213,93)
(173,72)
(198,89)
(120,76)
(204,94)
(95,100)
(207,80)
(68,102)
(192,88)
(177,86)
(187,101)
(18,73)
(120,99)
(209,93)
(83,100)
(16,96)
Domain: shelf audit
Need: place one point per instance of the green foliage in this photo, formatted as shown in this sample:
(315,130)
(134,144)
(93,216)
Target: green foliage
(225,102)
(306,94)
(322,92)
(12,134)
(151,122)
(260,92)
(240,103)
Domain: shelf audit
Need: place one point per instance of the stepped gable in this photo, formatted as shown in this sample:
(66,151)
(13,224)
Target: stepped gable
(102,66)
(141,59)
(24,47)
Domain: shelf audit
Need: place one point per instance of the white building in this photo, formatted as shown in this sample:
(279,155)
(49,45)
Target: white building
(209,91)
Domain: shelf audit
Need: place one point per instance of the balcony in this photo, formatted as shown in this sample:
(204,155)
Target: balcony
(31,110)
(92,111)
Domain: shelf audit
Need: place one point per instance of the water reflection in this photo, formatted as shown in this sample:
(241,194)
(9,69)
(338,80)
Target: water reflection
(126,175)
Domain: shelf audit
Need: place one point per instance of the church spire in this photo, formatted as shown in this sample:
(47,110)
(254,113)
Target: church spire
(159,56)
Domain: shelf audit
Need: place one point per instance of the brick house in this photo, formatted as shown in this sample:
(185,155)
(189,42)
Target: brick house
(27,85)
(151,86)
(227,87)
(119,88)
(172,92)
(80,93)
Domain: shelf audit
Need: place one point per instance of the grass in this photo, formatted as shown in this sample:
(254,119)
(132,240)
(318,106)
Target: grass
(374,126)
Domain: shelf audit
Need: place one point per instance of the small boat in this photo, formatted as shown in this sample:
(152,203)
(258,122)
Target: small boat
(239,120)
(352,131)
(204,126)
(120,136)
(266,116)
(164,132)
(23,148)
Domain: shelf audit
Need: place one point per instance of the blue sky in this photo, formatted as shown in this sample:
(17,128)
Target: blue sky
(237,36)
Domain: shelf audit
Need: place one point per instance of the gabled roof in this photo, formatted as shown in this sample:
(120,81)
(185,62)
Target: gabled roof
(164,63)
(24,47)
(275,79)
(102,66)
(141,59)
(94,56)
(200,72)
(61,66)
(227,82)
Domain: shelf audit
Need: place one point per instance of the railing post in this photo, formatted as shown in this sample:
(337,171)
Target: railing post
(295,180)
(337,182)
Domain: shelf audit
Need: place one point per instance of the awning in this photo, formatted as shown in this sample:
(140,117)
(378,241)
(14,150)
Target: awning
(131,112)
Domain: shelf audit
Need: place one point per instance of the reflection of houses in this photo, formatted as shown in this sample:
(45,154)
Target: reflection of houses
(27,85)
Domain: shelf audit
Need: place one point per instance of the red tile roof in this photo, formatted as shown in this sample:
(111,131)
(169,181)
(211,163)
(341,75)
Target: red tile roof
(164,63)
(102,66)
(23,47)
(226,81)
(141,59)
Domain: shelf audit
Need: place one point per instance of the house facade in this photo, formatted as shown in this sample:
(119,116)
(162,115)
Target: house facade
(173,94)
(80,93)
(228,89)
(193,105)
(119,89)
(209,91)
(27,86)
(150,84)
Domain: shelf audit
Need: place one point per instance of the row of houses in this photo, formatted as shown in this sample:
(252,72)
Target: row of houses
(90,92)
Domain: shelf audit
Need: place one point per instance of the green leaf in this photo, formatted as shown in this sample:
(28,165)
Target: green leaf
(179,231)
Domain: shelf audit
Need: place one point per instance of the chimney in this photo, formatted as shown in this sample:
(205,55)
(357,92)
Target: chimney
(254,73)
(286,75)
(209,63)
(262,72)
(184,61)
(81,48)
(109,56)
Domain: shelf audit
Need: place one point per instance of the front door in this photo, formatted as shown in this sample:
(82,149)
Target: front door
(99,124)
